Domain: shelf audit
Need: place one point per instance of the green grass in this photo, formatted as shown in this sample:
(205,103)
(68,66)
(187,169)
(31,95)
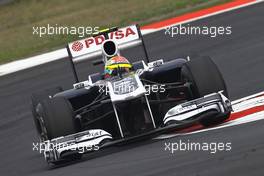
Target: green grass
(18,18)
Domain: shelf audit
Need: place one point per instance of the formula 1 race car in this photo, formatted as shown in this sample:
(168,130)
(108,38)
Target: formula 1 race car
(140,100)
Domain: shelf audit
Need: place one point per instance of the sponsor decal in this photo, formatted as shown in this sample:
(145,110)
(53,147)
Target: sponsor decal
(77,46)
(93,44)
(117,35)
(182,109)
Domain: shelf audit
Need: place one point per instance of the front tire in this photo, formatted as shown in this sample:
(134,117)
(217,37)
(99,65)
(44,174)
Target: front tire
(58,117)
(36,98)
(205,79)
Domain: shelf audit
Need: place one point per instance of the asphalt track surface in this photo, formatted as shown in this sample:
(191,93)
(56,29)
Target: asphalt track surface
(240,58)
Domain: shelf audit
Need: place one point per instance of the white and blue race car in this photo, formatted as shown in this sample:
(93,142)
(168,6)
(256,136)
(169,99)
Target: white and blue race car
(149,99)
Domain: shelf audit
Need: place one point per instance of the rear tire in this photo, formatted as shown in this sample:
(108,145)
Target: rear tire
(58,117)
(205,77)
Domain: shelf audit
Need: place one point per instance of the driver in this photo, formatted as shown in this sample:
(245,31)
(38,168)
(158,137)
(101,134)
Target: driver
(116,65)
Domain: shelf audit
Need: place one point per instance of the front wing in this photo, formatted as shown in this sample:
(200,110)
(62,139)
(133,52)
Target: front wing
(179,117)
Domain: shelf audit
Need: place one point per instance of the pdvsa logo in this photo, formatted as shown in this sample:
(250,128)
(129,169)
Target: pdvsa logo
(94,42)
(77,46)
(117,35)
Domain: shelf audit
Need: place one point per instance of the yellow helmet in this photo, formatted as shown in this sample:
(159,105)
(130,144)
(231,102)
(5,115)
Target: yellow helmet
(116,62)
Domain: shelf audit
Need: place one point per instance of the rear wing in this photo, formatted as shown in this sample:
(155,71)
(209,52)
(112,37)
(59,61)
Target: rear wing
(87,48)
